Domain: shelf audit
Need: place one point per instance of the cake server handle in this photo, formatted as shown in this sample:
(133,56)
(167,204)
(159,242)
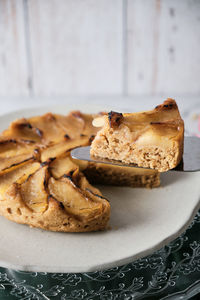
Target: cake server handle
(189,163)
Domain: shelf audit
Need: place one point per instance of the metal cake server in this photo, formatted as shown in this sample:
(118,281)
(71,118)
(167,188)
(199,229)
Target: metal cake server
(189,163)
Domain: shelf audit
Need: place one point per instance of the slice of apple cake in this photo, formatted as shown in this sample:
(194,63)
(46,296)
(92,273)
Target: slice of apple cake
(152,139)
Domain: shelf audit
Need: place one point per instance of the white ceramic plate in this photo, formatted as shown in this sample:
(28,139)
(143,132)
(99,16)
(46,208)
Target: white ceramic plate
(141,221)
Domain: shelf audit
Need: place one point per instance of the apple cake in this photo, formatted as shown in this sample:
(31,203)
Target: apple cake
(151,139)
(42,186)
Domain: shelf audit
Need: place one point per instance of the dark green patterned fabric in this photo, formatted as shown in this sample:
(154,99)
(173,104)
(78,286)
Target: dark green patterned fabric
(172,272)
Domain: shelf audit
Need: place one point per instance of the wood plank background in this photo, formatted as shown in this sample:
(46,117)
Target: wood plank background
(104,47)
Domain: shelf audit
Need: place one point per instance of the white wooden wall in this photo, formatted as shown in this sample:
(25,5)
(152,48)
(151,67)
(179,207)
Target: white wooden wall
(99,47)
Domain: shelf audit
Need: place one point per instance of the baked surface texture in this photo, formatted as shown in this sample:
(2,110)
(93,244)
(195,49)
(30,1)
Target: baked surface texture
(152,139)
(42,186)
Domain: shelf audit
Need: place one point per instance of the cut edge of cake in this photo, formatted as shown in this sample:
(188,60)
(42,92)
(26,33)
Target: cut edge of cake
(151,139)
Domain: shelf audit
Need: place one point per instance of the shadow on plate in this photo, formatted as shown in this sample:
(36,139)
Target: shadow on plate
(171,177)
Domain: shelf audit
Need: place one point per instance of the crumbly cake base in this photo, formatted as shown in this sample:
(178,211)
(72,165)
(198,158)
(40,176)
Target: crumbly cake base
(153,157)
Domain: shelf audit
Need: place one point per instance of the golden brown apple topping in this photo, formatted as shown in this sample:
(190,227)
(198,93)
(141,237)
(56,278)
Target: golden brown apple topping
(39,181)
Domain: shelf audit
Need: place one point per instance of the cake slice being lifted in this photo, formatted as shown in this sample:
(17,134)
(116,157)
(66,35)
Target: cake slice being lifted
(152,139)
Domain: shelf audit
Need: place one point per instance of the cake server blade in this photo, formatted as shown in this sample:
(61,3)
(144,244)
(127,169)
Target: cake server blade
(189,163)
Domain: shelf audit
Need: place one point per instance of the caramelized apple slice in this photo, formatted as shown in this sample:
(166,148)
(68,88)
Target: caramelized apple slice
(58,149)
(91,191)
(74,122)
(22,129)
(9,164)
(22,171)
(56,128)
(79,124)
(12,147)
(51,130)
(33,190)
(62,165)
(85,185)
(74,201)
